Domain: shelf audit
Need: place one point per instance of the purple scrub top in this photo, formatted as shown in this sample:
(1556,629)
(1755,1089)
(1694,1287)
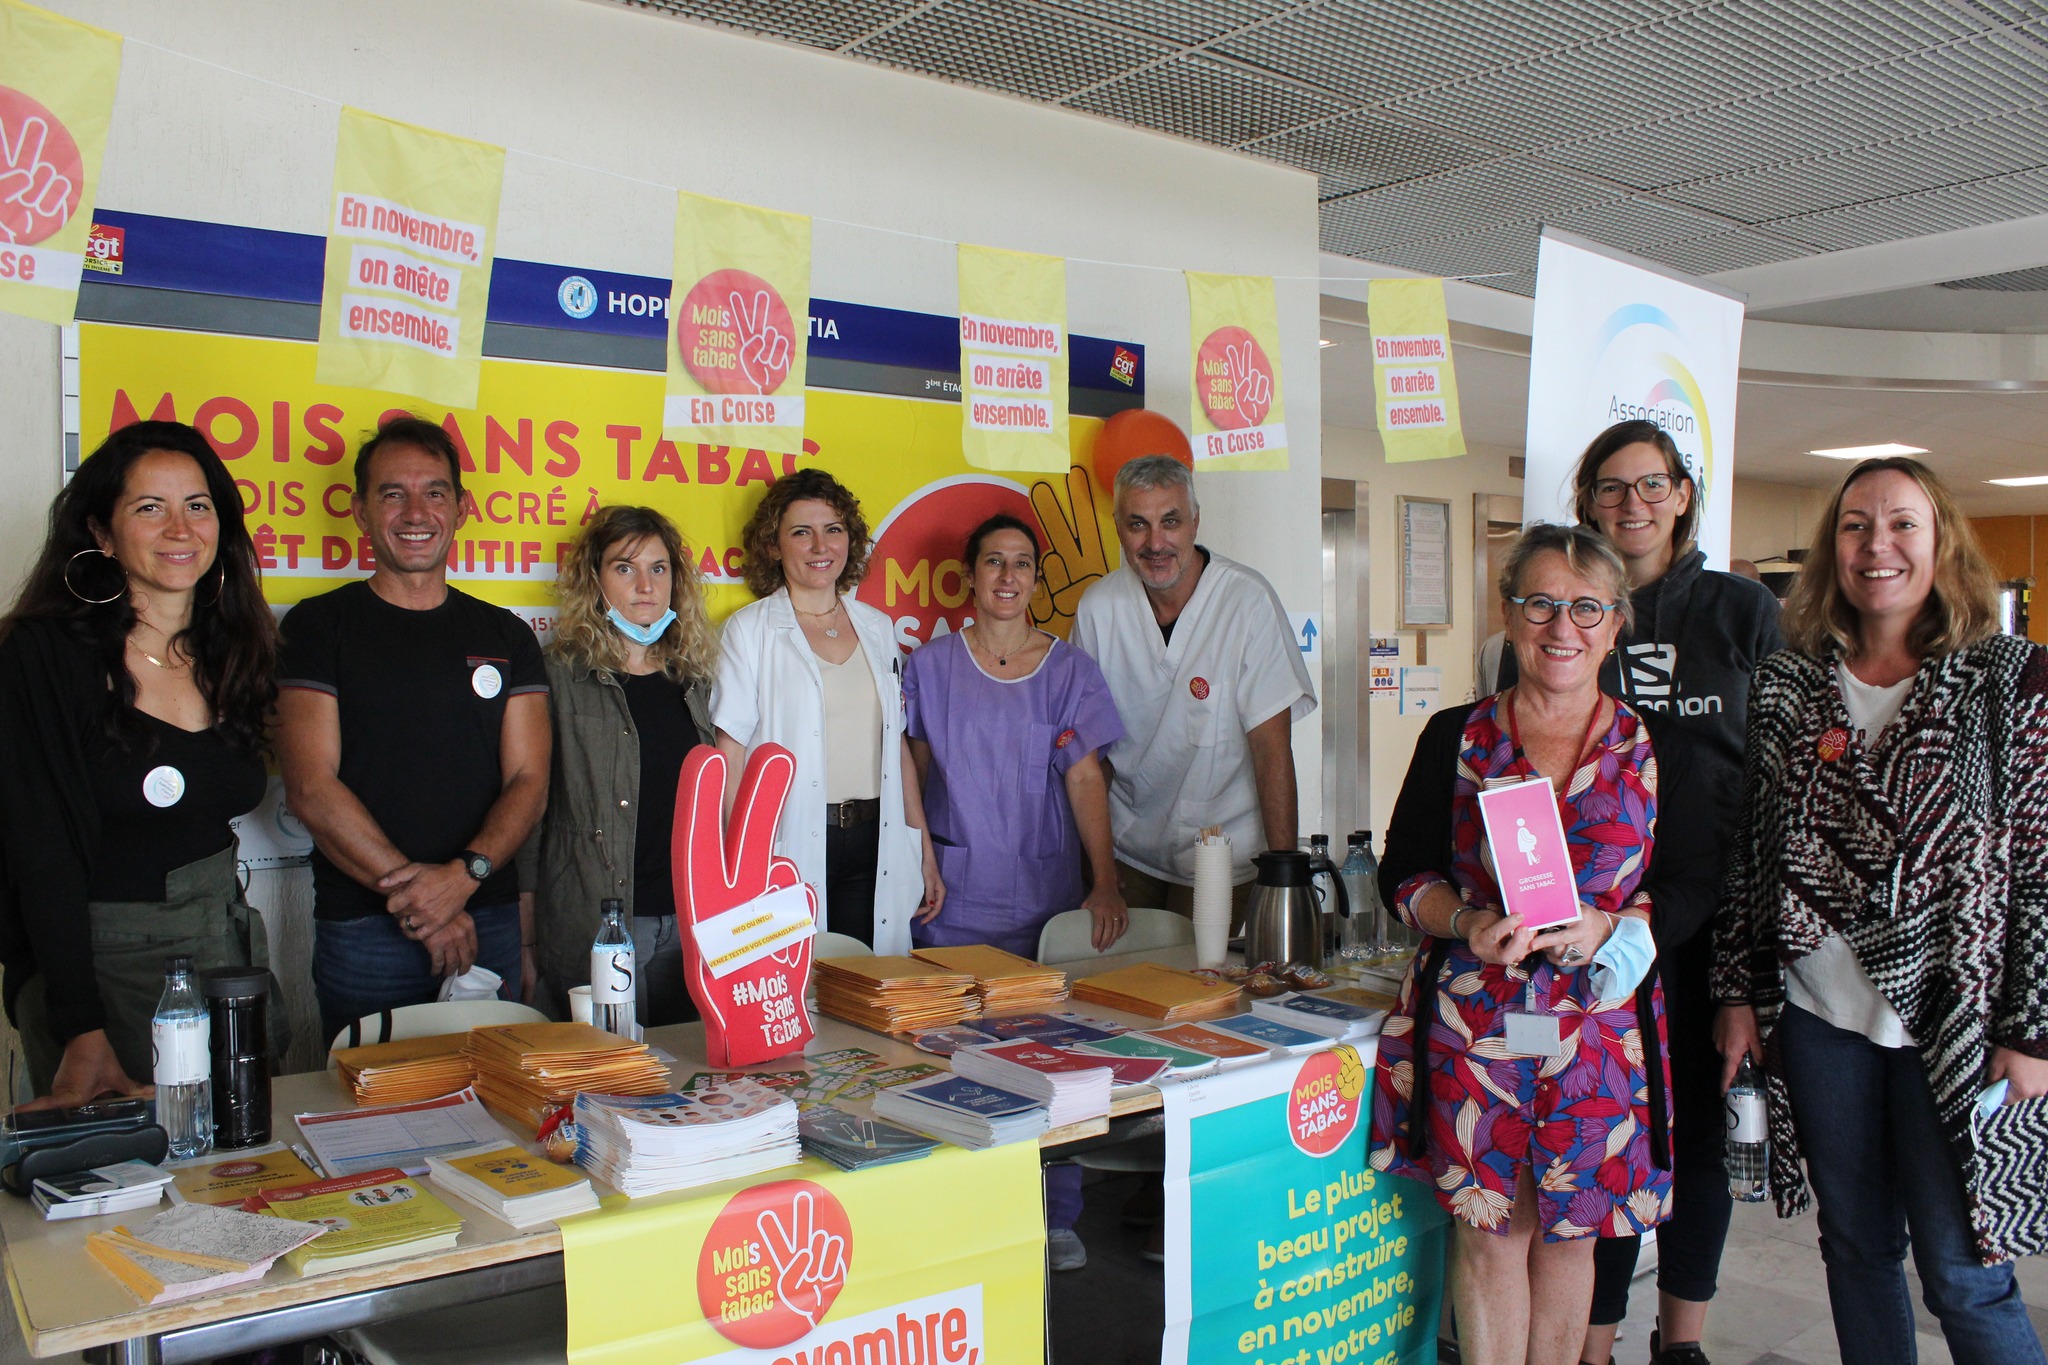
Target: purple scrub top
(996,797)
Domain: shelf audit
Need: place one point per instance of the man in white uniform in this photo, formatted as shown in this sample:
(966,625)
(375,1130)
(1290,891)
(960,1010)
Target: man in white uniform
(1208,681)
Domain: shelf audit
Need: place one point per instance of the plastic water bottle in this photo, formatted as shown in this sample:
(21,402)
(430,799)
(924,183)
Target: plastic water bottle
(612,1006)
(180,1038)
(1364,935)
(1748,1144)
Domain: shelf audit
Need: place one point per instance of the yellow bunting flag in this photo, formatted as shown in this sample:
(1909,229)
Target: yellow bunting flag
(57,83)
(1412,381)
(1013,360)
(739,325)
(408,260)
(1239,419)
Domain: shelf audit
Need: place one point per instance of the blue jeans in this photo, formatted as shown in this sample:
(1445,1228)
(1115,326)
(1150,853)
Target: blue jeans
(362,966)
(1884,1177)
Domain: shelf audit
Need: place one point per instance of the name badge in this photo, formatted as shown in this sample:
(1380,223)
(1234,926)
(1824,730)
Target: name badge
(1534,1035)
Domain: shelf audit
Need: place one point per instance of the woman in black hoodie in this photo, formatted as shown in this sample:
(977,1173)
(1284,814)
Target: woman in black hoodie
(1698,634)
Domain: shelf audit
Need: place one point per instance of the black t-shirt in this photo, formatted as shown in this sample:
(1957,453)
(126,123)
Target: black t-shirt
(422,697)
(164,804)
(661,717)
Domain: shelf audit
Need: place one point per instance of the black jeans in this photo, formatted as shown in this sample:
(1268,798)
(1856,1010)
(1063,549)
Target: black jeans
(1689,1244)
(850,879)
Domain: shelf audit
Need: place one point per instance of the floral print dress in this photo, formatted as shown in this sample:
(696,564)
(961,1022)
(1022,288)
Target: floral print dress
(1582,1118)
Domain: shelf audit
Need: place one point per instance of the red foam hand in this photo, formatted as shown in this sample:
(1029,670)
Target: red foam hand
(756,1012)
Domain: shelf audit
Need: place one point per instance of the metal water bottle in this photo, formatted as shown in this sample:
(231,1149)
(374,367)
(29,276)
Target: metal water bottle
(182,1061)
(1748,1145)
(612,974)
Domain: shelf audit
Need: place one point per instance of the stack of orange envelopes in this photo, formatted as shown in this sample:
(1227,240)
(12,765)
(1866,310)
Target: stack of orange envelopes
(409,1069)
(524,1071)
(1159,993)
(1003,982)
(892,994)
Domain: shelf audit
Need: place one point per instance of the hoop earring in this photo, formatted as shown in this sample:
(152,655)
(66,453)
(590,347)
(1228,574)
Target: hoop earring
(220,585)
(94,601)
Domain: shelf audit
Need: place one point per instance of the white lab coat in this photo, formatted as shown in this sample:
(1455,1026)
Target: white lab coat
(768,689)
(1185,761)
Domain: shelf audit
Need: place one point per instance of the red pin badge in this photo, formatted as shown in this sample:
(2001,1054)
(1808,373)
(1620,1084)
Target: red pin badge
(1200,687)
(1833,743)
(1066,738)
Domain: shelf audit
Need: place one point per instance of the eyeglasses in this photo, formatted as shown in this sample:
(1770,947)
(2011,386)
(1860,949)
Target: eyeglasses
(1613,492)
(1585,612)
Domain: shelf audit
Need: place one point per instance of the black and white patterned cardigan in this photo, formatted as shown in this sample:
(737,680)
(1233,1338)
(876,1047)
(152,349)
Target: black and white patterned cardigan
(1929,854)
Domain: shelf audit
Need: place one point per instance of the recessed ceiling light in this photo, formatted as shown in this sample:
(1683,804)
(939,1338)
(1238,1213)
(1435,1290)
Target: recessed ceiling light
(1868,452)
(2030,481)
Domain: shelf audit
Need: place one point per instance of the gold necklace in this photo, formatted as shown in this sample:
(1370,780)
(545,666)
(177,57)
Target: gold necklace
(831,632)
(168,668)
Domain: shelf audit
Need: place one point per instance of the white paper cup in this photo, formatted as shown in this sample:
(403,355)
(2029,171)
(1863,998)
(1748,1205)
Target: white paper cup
(1212,902)
(579,1004)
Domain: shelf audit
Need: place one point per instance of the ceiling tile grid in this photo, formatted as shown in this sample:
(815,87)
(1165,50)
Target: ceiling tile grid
(1443,132)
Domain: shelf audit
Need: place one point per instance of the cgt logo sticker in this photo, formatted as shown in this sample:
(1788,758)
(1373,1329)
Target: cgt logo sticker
(773,1263)
(1326,1100)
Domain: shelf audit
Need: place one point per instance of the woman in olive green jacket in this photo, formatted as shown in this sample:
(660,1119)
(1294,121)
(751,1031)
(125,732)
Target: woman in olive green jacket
(629,678)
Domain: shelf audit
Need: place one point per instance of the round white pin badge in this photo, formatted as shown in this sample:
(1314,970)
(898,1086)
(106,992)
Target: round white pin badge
(487,681)
(163,786)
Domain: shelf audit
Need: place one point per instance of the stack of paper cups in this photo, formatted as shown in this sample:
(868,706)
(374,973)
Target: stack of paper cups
(1212,898)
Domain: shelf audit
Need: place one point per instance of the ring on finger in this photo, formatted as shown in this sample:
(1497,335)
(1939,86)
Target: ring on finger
(1573,953)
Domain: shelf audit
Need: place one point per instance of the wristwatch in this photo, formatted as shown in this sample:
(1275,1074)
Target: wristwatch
(476,865)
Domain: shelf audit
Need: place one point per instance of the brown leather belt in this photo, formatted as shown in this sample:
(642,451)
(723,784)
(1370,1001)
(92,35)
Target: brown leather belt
(847,814)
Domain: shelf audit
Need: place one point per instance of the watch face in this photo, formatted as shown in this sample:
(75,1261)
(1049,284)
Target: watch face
(479,867)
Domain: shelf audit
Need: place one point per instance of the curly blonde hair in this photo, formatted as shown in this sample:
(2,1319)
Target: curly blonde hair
(687,650)
(1961,610)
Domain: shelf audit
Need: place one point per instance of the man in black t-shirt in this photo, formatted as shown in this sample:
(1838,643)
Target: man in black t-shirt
(413,735)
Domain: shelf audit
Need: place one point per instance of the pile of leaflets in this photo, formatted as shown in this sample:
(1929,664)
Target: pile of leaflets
(118,1188)
(893,994)
(1227,1048)
(1285,1039)
(370,1218)
(963,1112)
(195,1249)
(853,1143)
(1320,1014)
(524,1071)
(513,1185)
(410,1069)
(1072,1087)
(1002,981)
(1181,1063)
(1159,993)
(226,1179)
(649,1144)
(852,1073)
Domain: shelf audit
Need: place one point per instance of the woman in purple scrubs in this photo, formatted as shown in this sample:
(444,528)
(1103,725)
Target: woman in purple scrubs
(1005,722)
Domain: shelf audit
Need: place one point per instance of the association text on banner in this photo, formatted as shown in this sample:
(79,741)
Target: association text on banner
(1415,388)
(57,80)
(1239,417)
(1013,360)
(409,245)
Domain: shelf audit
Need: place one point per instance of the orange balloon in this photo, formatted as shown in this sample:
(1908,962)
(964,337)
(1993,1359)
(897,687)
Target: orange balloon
(1134,432)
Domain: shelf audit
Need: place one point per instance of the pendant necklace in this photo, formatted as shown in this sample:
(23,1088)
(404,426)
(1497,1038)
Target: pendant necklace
(831,632)
(168,668)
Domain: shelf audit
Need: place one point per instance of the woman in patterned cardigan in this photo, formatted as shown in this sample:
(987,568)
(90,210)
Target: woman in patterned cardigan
(1885,947)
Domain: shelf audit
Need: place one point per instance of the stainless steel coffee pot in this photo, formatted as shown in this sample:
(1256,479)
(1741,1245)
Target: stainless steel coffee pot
(1285,923)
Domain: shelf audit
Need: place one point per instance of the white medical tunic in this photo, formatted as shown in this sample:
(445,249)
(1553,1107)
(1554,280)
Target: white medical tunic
(1185,761)
(769,690)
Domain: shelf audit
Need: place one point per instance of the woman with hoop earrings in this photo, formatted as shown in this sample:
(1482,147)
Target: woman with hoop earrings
(137,673)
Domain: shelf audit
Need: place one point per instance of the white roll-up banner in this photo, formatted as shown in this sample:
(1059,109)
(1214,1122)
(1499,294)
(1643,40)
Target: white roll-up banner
(1616,339)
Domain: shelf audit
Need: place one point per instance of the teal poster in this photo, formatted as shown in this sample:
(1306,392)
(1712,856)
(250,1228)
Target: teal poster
(1282,1248)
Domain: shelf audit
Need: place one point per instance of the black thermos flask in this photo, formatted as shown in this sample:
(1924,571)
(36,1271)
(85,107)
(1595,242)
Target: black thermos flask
(239,998)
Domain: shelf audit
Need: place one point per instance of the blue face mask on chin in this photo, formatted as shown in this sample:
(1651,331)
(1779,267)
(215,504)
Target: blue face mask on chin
(642,635)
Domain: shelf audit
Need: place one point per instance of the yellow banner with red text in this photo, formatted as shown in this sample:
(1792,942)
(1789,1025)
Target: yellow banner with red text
(548,444)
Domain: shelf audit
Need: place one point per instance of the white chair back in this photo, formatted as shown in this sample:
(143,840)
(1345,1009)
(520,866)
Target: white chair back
(828,944)
(1069,936)
(426,1021)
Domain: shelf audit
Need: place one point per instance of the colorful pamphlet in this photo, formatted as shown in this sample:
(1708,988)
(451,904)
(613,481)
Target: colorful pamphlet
(369,1218)
(1061,1030)
(1180,1060)
(227,1180)
(648,1144)
(1531,860)
(1320,1014)
(852,1143)
(1273,1033)
(963,1112)
(117,1188)
(1074,1087)
(513,1185)
(1226,1048)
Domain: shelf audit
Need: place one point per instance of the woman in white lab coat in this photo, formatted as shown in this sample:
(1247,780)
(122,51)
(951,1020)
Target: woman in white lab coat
(813,670)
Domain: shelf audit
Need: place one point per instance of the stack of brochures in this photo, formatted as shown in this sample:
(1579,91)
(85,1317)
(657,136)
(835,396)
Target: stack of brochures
(513,1185)
(228,1179)
(1181,1063)
(377,1216)
(963,1112)
(195,1249)
(1227,1048)
(1071,1086)
(1159,993)
(1282,1038)
(1320,1014)
(525,1071)
(118,1188)
(853,1143)
(410,1069)
(359,1141)
(647,1144)
(1002,981)
(893,994)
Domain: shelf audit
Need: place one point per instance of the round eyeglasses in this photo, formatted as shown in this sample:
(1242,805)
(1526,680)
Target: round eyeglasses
(1613,492)
(1585,612)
